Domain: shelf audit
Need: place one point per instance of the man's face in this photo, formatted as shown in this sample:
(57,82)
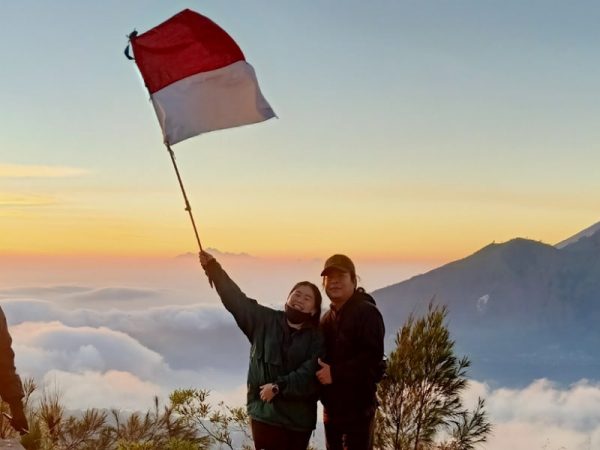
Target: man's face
(338,285)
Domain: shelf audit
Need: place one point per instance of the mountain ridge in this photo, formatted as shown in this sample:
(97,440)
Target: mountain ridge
(587,232)
(506,300)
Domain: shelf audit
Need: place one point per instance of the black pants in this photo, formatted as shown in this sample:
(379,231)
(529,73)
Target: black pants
(271,437)
(354,435)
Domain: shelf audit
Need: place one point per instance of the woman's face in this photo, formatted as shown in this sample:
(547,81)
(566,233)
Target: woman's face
(303,299)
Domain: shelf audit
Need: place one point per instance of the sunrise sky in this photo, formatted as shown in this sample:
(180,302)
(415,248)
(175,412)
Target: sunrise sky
(407,131)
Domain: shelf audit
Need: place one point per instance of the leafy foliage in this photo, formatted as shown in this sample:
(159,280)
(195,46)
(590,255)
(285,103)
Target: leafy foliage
(187,422)
(217,423)
(421,393)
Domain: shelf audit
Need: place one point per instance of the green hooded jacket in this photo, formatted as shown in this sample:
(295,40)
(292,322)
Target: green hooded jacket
(279,354)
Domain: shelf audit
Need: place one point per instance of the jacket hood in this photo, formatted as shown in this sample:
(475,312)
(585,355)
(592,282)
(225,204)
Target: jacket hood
(360,293)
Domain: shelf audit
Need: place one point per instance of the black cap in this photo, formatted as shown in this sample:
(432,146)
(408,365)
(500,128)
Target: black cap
(338,262)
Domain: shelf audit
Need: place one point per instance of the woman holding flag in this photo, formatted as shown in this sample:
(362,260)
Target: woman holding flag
(199,81)
(282,386)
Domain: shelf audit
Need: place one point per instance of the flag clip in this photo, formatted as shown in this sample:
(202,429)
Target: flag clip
(131,36)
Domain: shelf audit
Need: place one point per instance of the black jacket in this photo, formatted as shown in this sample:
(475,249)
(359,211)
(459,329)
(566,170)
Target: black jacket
(11,389)
(354,349)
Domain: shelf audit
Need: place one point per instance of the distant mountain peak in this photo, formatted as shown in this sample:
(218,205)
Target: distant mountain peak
(515,247)
(590,231)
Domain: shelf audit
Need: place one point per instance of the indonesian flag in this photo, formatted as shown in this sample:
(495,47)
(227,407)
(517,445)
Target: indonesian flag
(198,78)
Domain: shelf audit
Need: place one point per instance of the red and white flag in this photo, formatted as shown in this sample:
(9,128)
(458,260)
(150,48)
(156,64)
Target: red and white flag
(198,78)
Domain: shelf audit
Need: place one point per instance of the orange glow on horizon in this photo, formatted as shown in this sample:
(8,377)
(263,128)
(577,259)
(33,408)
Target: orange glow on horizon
(378,235)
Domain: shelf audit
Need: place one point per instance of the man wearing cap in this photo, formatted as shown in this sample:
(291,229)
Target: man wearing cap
(11,389)
(353,330)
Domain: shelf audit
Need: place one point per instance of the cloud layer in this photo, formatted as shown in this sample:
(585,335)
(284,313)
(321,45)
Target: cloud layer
(184,336)
(121,358)
(542,416)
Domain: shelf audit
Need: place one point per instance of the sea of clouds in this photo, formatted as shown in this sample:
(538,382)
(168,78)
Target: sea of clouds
(110,346)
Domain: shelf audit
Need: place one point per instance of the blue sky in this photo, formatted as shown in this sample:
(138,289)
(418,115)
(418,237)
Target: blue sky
(481,115)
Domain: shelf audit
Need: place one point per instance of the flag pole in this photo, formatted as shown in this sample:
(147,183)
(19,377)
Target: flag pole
(188,208)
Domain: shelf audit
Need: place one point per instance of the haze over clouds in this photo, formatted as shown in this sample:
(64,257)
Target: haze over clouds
(176,280)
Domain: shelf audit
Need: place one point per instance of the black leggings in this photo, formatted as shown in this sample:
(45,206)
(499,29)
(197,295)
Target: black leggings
(271,437)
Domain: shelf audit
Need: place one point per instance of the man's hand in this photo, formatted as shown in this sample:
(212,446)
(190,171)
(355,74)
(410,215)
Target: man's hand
(324,373)
(266,392)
